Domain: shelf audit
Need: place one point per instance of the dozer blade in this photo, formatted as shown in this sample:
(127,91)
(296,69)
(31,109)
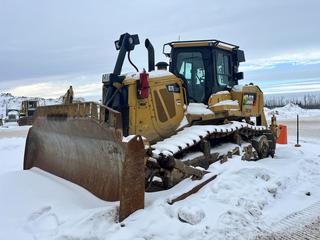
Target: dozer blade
(73,142)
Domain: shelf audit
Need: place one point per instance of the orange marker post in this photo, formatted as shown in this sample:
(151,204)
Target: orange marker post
(283,139)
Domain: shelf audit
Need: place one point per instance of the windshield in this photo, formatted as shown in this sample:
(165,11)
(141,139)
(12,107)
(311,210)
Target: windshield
(32,104)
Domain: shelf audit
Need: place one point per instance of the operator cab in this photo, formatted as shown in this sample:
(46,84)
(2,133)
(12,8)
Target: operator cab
(205,66)
(28,108)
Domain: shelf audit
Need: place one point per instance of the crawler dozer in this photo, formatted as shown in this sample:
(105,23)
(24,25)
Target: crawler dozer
(153,128)
(28,108)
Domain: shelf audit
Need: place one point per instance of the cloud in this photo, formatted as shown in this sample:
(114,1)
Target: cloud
(40,40)
(45,89)
(86,86)
(293,88)
(297,58)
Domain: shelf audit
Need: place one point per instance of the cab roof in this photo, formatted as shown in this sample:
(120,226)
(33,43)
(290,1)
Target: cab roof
(200,43)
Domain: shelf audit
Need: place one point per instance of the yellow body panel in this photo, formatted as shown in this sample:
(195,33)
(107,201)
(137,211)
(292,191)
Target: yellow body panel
(158,116)
(250,104)
(219,97)
(251,101)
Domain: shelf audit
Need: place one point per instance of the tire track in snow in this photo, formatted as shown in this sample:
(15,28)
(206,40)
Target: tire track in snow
(304,224)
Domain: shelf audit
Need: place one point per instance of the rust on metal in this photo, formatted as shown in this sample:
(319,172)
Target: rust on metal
(133,179)
(192,191)
(223,159)
(74,142)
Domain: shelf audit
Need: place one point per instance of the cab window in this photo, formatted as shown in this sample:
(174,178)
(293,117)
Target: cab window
(32,104)
(191,66)
(223,69)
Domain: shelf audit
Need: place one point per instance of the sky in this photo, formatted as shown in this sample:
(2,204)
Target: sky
(47,45)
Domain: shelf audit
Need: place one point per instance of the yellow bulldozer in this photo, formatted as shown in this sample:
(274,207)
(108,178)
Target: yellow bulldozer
(153,128)
(28,108)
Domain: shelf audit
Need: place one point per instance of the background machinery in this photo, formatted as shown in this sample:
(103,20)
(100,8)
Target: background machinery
(28,108)
(153,128)
(12,115)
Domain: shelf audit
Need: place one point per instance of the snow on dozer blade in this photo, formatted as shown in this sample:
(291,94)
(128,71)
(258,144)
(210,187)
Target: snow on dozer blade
(74,142)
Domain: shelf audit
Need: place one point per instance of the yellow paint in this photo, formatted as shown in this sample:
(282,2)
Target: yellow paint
(144,117)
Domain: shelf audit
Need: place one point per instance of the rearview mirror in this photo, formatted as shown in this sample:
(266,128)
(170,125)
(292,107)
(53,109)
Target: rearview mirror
(240,56)
(239,75)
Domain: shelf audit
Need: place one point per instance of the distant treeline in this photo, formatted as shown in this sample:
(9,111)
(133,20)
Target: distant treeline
(307,101)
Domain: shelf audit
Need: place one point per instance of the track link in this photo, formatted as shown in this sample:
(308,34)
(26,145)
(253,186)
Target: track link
(190,136)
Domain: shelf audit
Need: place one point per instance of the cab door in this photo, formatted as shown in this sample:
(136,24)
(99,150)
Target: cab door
(223,70)
(192,64)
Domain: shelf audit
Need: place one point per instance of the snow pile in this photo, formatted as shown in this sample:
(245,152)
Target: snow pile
(198,109)
(245,193)
(40,206)
(290,111)
(192,215)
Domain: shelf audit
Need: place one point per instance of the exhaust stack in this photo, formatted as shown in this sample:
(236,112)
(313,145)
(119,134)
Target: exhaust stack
(150,49)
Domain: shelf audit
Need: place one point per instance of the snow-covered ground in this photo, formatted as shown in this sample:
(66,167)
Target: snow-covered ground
(11,129)
(309,120)
(290,111)
(245,199)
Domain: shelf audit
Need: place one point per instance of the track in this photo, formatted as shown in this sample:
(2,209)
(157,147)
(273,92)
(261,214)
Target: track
(191,136)
(180,155)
